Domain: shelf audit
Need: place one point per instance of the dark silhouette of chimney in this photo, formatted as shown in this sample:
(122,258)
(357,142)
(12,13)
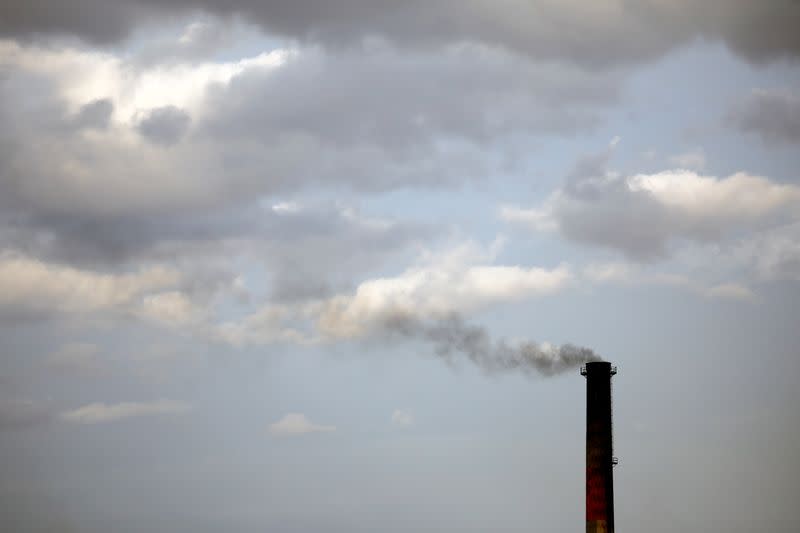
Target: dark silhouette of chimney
(599,454)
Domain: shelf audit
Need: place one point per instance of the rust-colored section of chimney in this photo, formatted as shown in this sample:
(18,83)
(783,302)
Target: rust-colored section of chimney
(599,456)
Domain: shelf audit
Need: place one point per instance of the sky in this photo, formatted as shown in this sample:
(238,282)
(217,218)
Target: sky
(333,266)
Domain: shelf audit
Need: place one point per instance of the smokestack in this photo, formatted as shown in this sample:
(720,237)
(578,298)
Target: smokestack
(599,456)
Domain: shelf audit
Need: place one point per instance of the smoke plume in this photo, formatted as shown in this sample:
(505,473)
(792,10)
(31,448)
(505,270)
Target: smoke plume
(453,338)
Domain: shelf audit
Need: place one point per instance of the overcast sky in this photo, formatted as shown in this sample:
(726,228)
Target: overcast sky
(332,265)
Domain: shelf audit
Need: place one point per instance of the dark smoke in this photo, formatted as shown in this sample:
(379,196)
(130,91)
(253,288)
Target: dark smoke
(452,337)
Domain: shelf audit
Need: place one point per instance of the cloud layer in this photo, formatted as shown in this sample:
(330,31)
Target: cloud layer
(598,34)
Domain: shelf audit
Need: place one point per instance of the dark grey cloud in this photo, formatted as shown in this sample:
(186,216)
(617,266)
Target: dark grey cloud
(588,33)
(772,114)
(94,20)
(588,170)
(598,210)
(201,39)
(95,114)
(164,125)
(398,100)
(318,251)
(311,252)
(381,118)
(619,219)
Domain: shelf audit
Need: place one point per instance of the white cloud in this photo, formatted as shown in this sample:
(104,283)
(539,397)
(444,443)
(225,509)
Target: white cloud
(435,292)
(29,286)
(172,308)
(534,219)
(440,285)
(85,75)
(731,291)
(445,284)
(289,322)
(738,197)
(402,418)
(297,424)
(98,413)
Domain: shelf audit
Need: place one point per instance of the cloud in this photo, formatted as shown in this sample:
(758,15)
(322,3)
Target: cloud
(587,33)
(434,291)
(95,20)
(297,424)
(458,280)
(307,253)
(644,214)
(536,97)
(32,287)
(164,125)
(78,146)
(99,413)
(98,217)
(82,188)
(772,114)
(77,76)
(424,303)
(314,251)
(172,308)
(255,121)
(95,114)
(731,291)
(402,418)
(200,40)
(291,245)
